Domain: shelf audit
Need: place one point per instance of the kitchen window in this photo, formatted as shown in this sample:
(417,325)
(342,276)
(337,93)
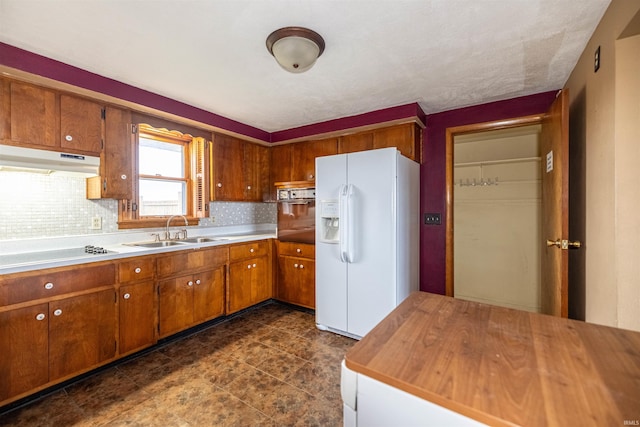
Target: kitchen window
(170,170)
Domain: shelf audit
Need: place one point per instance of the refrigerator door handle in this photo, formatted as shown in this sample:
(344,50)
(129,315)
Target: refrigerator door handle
(351,225)
(342,203)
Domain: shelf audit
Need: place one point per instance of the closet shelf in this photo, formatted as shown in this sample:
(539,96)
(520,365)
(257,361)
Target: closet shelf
(499,162)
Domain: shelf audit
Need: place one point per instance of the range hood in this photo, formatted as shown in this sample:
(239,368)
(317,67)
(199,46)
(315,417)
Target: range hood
(13,157)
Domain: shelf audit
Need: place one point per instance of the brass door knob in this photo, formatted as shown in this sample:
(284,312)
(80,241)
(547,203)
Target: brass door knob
(564,244)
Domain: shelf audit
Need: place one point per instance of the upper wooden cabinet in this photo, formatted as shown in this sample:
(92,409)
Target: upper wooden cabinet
(240,170)
(303,157)
(116,160)
(37,117)
(406,137)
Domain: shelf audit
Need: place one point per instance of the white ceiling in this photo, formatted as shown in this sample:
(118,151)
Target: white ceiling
(443,54)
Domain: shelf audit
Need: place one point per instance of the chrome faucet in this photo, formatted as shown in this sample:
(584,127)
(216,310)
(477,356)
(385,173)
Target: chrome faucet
(167,235)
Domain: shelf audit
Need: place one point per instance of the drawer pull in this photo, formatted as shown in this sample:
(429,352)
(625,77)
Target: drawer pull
(40,316)
(48,285)
(138,270)
(190,283)
(198,282)
(126,296)
(252,250)
(299,250)
(57,312)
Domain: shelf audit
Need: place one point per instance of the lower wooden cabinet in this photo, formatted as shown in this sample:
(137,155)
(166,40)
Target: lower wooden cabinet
(185,301)
(50,341)
(296,274)
(250,275)
(137,316)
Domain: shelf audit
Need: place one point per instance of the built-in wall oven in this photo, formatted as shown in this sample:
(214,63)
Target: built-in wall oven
(297,215)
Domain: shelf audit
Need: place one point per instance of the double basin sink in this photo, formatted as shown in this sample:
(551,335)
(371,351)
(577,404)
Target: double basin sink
(180,242)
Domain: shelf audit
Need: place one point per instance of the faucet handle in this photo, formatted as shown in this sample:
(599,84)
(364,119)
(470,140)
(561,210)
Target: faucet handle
(184,233)
(156,237)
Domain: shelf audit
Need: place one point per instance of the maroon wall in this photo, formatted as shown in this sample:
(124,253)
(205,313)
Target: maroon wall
(432,174)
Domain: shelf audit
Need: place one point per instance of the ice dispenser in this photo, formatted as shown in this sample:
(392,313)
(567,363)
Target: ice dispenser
(329,221)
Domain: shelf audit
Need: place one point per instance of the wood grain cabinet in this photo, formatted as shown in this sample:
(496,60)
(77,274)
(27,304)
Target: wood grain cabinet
(256,172)
(191,288)
(116,179)
(39,117)
(49,337)
(303,157)
(250,275)
(406,137)
(137,304)
(296,274)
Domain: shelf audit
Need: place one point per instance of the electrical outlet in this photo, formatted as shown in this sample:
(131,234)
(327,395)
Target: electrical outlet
(432,219)
(96,223)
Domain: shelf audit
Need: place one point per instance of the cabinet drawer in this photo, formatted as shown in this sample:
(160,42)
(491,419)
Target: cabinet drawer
(23,287)
(304,250)
(136,269)
(191,260)
(249,250)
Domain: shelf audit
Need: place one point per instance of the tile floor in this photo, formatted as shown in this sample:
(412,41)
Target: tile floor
(269,366)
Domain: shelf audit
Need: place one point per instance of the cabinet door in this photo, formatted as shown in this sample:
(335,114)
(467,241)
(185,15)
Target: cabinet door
(239,291)
(80,124)
(405,137)
(117,155)
(82,332)
(24,364)
(228,177)
(137,316)
(261,288)
(33,115)
(280,167)
(256,172)
(208,294)
(303,157)
(296,281)
(356,142)
(175,305)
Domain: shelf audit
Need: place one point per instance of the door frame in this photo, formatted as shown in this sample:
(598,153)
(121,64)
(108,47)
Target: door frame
(451,132)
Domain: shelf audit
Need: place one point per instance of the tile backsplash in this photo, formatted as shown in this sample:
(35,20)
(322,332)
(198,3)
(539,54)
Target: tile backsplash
(51,205)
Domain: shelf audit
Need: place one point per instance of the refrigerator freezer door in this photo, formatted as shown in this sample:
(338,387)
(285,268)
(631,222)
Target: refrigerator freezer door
(331,273)
(372,283)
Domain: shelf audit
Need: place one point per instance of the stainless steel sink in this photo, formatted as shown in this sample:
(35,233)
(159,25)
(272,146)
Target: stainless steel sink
(199,240)
(158,244)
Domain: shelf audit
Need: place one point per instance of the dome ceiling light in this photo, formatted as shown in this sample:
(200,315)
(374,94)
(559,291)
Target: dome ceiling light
(295,48)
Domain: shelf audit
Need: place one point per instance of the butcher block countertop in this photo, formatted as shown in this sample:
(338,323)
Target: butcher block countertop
(502,366)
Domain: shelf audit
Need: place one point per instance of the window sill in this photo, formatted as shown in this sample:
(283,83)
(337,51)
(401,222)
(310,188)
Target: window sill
(155,223)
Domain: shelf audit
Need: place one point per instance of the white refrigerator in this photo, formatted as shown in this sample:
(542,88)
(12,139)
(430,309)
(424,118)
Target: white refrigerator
(367,238)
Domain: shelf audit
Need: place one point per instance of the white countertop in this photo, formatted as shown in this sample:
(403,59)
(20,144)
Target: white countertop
(119,245)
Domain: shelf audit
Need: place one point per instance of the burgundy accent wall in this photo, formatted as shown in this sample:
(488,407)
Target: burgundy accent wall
(433,169)
(365,119)
(30,62)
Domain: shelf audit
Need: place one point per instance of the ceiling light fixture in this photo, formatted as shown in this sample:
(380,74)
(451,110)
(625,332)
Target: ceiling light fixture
(295,48)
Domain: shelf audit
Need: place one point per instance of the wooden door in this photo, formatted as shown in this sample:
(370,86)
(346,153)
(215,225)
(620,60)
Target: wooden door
(228,158)
(137,316)
(296,281)
(208,295)
(554,148)
(405,137)
(24,340)
(303,157)
(117,155)
(256,172)
(175,305)
(239,291)
(82,333)
(356,142)
(280,167)
(80,124)
(261,288)
(34,114)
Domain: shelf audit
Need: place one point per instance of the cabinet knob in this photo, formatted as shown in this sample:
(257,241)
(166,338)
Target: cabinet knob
(190,283)
(254,266)
(301,266)
(248,187)
(123,176)
(197,281)
(299,250)
(138,270)
(68,138)
(249,266)
(40,316)
(48,285)
(57,312)
(295,265)
(311,176)
(126,296)
(252,250)
(219,185)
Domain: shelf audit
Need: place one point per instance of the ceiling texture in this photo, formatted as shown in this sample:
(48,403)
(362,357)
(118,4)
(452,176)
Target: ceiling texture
(211,54)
